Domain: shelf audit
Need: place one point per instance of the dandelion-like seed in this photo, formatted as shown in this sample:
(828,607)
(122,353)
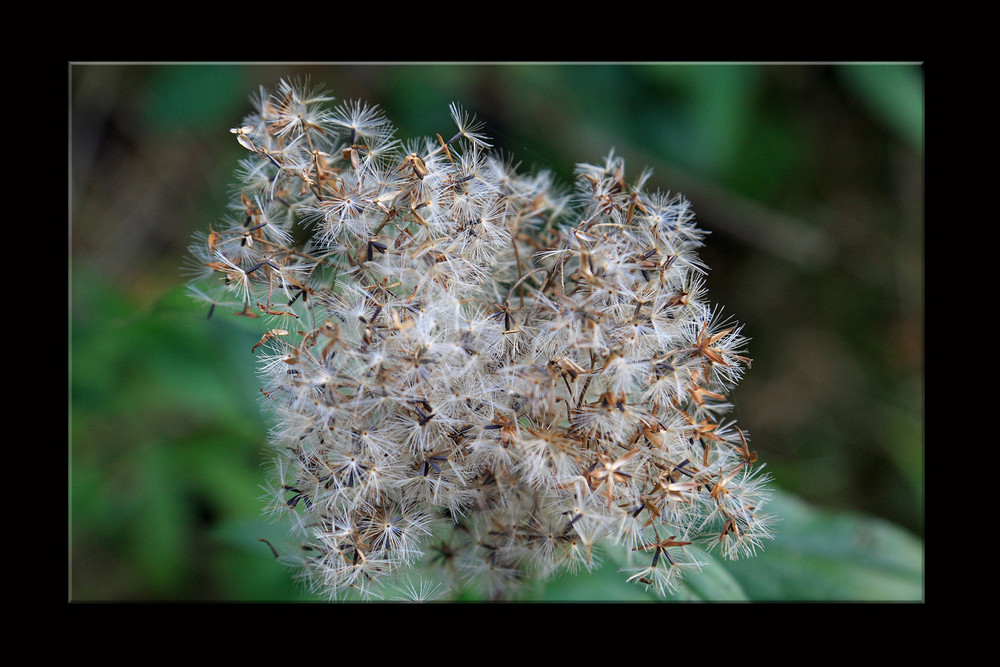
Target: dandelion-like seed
(474,373)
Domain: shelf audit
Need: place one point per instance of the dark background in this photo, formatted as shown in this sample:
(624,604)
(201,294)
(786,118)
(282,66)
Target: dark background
(810,179)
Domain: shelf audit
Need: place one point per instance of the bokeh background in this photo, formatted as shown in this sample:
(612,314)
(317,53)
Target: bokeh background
(810,179)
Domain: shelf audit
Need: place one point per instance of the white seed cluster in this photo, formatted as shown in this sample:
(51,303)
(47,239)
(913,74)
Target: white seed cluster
(471,369)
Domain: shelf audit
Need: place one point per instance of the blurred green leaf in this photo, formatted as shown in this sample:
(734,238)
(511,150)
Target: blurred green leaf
(829,556)
(161,519)
(716,101)
(894,94)
(816,556)
(249,571)
(713,583)
(196,97)
(604,584)
(166,443)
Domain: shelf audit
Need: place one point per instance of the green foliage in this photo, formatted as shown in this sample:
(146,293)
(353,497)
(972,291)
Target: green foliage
(166,452)
(166,440)
(816,556)
(166,447)
(842,556)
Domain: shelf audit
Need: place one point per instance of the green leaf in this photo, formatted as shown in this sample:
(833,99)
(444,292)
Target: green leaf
(823,555)
(894,94)
(608,583)
(604,584)
(817,555)
(713,583)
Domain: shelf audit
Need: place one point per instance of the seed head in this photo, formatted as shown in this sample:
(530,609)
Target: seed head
(473,372)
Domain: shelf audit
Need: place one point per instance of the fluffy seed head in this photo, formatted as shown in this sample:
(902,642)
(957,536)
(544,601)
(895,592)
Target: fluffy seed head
(470,369)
